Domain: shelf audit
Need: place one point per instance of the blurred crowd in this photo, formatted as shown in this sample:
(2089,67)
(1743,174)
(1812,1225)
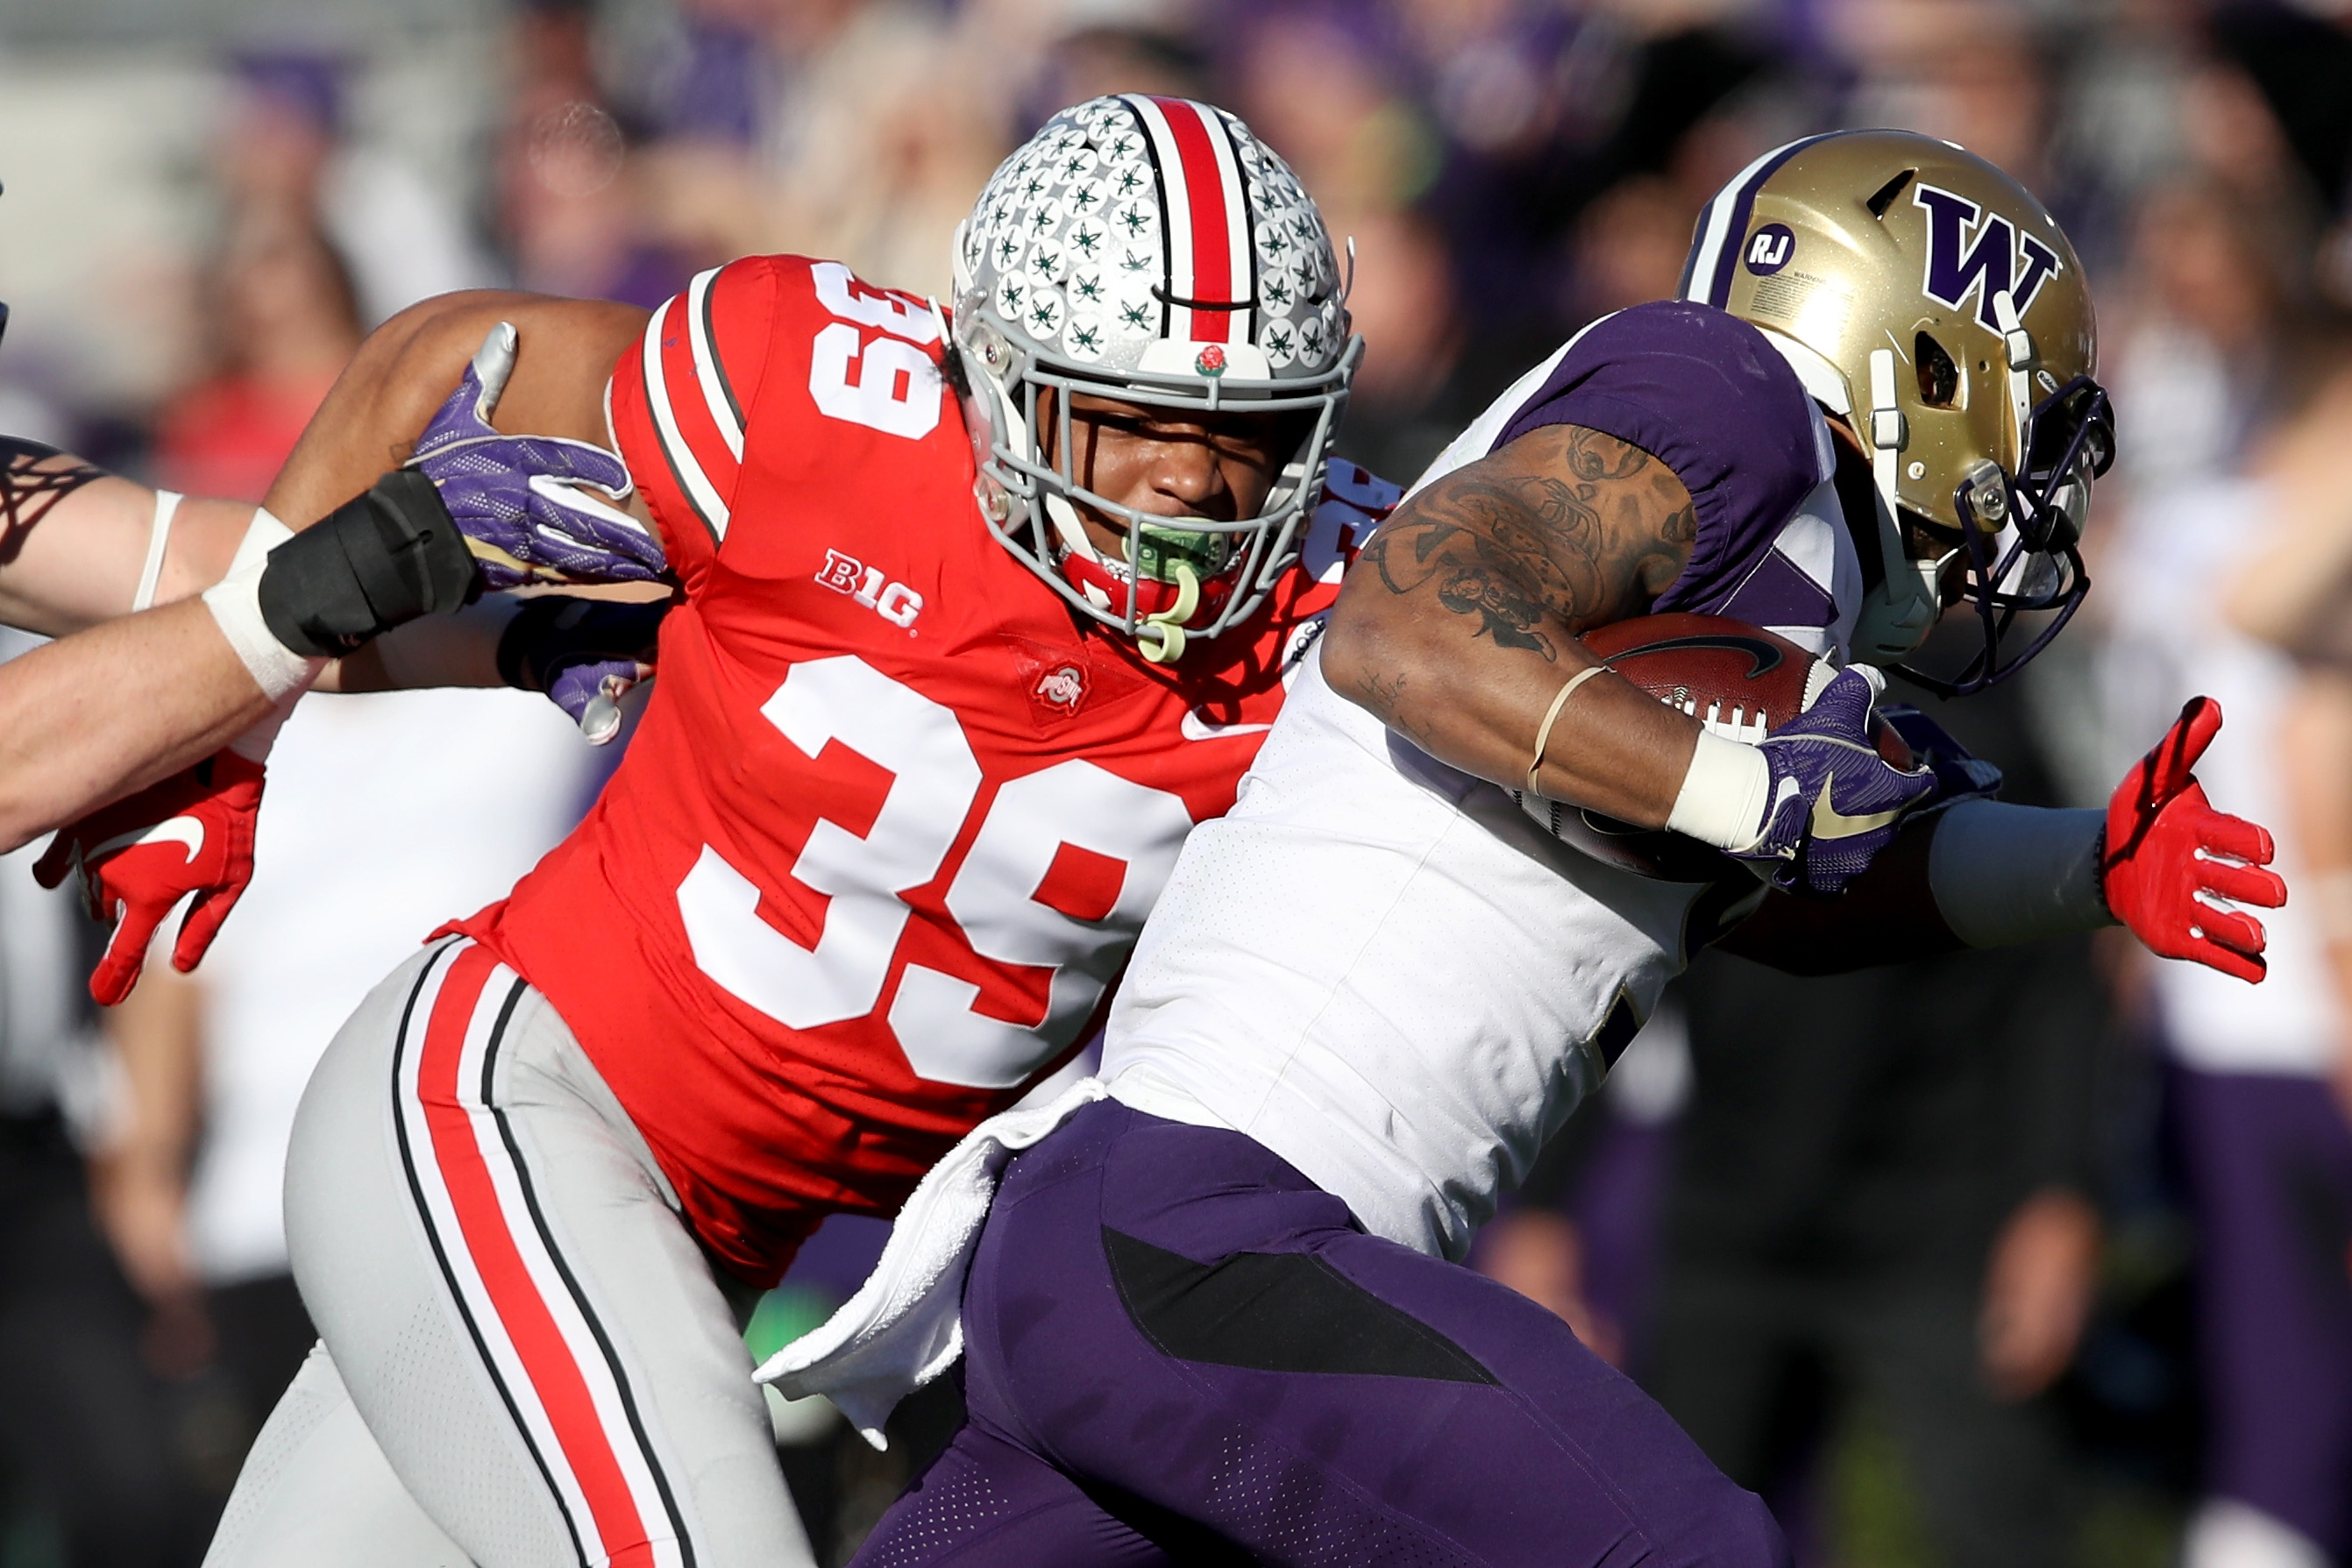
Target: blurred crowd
(2025,1257)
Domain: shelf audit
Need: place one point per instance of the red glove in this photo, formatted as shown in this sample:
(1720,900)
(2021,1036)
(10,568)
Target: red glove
(192,832)
(2168,852)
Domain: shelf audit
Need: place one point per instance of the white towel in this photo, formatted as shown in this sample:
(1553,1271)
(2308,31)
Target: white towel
(905,1324)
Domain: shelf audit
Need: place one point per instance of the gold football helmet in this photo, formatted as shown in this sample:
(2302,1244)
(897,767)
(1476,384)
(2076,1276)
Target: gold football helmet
(1931,302)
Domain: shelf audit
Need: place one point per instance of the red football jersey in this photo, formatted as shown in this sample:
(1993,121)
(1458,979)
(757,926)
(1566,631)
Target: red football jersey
(893,817)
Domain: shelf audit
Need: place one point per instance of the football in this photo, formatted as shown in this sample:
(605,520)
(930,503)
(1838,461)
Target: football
(1740,681)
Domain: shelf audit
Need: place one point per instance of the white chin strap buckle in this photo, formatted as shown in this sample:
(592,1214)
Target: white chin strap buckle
(2017,345)
(1161,635)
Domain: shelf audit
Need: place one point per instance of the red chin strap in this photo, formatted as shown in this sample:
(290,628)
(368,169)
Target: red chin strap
(1152,597)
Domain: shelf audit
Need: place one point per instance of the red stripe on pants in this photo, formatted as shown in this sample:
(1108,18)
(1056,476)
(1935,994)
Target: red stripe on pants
(514,1296)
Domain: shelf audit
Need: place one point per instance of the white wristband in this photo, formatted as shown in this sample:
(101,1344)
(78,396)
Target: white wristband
(262,534)
(159,539)
(254,744)
(2004,873)
(1723,795)
(235,603)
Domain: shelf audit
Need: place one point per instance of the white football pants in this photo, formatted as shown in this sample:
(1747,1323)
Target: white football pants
(525,1360)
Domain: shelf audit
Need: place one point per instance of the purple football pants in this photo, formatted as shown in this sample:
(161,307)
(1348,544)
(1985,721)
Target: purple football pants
(1179,1349)
(2270,1167)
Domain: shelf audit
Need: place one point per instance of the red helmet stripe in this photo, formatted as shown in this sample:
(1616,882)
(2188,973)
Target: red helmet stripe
(1212,276)
(1208,219)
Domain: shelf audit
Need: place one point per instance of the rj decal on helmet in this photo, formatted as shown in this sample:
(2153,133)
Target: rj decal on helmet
(1931,301)
(1153,252)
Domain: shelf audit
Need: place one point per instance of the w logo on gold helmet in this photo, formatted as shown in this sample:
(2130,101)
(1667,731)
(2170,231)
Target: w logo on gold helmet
(1931,303)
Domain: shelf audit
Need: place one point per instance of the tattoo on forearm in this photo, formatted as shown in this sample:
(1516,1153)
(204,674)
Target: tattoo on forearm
(1385,695)
(34,478)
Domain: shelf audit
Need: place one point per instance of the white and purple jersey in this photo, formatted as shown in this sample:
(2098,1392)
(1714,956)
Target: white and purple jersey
(1378,966)
(1706,394)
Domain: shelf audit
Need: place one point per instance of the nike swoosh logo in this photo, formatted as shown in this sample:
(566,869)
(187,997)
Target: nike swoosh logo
(1762,656)
(188,830)
(1194,727)
(1829,823)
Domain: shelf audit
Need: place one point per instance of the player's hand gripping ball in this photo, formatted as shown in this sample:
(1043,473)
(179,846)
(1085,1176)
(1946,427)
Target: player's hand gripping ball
(192,832)
(524,502)
(1836,801)
(1746,683)
(2171,866)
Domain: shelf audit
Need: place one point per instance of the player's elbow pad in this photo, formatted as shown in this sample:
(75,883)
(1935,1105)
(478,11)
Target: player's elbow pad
(2004,873)
(377,561)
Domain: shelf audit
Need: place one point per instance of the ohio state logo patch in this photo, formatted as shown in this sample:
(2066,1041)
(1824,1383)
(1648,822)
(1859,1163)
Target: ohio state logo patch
(1063,688)
(1974,251)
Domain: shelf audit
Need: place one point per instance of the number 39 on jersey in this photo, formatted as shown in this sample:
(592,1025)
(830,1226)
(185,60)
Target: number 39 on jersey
(1100,833)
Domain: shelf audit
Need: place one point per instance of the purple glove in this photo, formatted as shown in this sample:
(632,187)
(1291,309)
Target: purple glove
(584,653)
(1835,801)
(515,497)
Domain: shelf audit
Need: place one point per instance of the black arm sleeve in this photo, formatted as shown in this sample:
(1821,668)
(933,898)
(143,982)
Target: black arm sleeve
(378,561)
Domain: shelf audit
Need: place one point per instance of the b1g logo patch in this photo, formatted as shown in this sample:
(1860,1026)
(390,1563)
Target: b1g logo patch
(1769,249)
(894,601)
(1973,251)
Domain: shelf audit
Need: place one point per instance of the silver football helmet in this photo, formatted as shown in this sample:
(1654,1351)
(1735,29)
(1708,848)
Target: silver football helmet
(1153,252)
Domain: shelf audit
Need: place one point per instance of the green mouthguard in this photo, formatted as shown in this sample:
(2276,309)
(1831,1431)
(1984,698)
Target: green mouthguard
(1159,551)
